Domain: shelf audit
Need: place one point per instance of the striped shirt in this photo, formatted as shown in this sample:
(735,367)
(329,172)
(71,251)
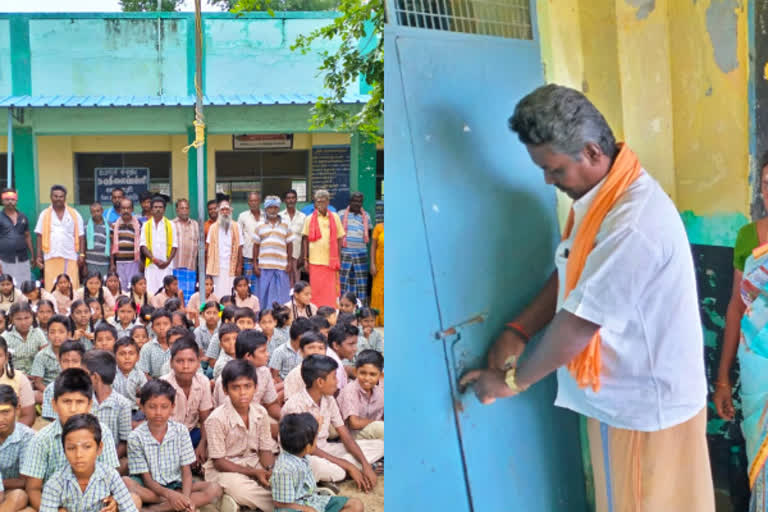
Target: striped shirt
(292,481)
(129,385)
(62,491)
(12,450)
(97,255)
(115,412)
(162,460)
(273,242)
(284,359)
(45,365)
(45,453)
(24,351)
(153,357)
(189,234)
(355,230)
(126,241)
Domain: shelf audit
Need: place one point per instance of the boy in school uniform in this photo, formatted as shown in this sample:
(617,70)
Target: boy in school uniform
(361,402)
(160,456)
(333,461)
(85,484)
(157,351)
(72,394)
(293,483)
(227,335)
(288,355)
(240,444)
(14,438)
(174,333)
(193,402)
(104,337)
(342,345)
(128,378)
(112,409)
(70,356)
(45,365)
(310,343)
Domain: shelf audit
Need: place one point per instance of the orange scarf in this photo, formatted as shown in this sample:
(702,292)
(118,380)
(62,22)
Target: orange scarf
(47,220)
(333,244)
(585,367)
(212,268)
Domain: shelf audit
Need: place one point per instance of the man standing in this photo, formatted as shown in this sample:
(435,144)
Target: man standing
(213,214)
(321,243)
(354,250)
(97,240)
(249,222)
(145,202)
(295,220)
(224,251)
(624,332)
(15,239)
(159,243)
(185,264)
(113,213)
(60,239)
(273,255)
(126,243)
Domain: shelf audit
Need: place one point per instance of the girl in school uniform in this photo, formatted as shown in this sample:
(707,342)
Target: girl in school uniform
(242,296)
(9,294)
(63,295)
(34,293)
(93,288)
(300,304)
(139,294)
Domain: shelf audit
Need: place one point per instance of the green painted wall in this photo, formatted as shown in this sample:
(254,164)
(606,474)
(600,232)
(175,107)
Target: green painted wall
(719,229)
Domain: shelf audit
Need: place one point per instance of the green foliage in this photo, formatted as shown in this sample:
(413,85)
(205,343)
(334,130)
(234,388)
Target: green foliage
(359,29)
(280,5)
(150,5)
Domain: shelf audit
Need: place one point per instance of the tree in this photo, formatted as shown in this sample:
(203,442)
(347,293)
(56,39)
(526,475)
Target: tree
(359,28)
(150,5)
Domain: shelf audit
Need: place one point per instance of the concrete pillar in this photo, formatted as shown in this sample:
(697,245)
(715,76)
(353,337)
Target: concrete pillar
(363,172)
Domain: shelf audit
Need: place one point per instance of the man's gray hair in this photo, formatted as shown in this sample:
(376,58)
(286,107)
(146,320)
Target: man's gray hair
(322,194)
(563,118)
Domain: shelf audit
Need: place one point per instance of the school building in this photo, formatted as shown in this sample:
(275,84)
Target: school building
(99,100)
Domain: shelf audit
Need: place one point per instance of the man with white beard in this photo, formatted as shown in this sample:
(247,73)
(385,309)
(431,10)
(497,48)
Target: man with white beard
(224,251)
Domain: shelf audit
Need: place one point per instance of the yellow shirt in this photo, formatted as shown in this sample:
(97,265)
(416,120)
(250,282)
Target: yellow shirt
(318,250)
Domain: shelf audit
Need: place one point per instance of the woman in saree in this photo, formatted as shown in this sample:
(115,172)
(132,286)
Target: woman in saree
(746,336)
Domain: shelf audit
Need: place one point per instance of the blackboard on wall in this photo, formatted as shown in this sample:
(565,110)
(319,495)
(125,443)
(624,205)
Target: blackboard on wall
(330,171)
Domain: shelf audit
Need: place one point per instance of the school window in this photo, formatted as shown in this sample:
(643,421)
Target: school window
(269,172)
(158,164)
(4,171)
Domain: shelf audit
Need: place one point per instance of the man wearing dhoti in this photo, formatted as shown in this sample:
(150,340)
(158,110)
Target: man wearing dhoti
(224,251)
(60,239)
(159,243)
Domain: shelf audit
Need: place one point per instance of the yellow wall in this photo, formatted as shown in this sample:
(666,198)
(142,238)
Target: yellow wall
(655,78)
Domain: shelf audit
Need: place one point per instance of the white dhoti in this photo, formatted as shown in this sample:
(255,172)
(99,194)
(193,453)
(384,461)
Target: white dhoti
(222,283)
(155,275)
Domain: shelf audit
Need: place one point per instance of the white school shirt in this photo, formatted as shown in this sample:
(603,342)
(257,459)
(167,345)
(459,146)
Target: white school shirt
(62,235)
(297,226)
(639,285)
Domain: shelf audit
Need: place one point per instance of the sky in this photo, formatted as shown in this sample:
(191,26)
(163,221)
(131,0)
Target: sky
(80,6)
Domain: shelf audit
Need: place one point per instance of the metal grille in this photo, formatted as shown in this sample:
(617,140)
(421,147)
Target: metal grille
(501,18)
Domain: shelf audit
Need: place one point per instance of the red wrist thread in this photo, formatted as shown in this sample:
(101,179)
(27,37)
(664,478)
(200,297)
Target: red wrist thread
(520,330)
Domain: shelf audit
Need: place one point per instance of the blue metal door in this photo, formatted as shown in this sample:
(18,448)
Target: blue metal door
(472,231)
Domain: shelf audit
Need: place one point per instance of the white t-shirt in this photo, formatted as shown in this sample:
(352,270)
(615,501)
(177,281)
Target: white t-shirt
(639,285)
(62,234)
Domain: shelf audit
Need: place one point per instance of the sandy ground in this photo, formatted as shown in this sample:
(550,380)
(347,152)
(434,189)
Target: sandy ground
(373,501)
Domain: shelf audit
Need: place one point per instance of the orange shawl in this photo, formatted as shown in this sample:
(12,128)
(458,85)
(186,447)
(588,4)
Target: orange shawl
(212,268)
(333,243)
(585,367)
(46,242)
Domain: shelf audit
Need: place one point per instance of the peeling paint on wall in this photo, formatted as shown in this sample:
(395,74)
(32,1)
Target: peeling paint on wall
(723,33)
(718,229)
(644,7)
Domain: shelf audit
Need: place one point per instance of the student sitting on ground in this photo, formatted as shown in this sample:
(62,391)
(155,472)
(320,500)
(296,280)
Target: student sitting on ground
(140,334)
(14,438)
(82,323)
(288,355)
(251,346)
(214,347)
(361,402)
(320,324)
(310,343)
(333,461)
(105,337)
(72,394)
(328,313)
(268,325)
(24,339)
(293,482)
(85,483)
(112,408)
(174,333)
(227,336)
(193,401)
(71,355)
(194,306)
(125,316)
(240,444)
(160,456)
(370,338)
(45,367)
(169,290)
(20,385)
(208,326)
(128,378)
(157,351)
(342,345)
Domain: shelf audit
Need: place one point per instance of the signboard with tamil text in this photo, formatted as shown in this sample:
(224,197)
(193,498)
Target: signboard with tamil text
(133,180)
(263,141)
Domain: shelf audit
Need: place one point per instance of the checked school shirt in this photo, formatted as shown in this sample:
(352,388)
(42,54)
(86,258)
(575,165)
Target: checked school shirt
(115,412)
(12,450)
(162,460)
(292,481)
(63,491)
(128,385)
